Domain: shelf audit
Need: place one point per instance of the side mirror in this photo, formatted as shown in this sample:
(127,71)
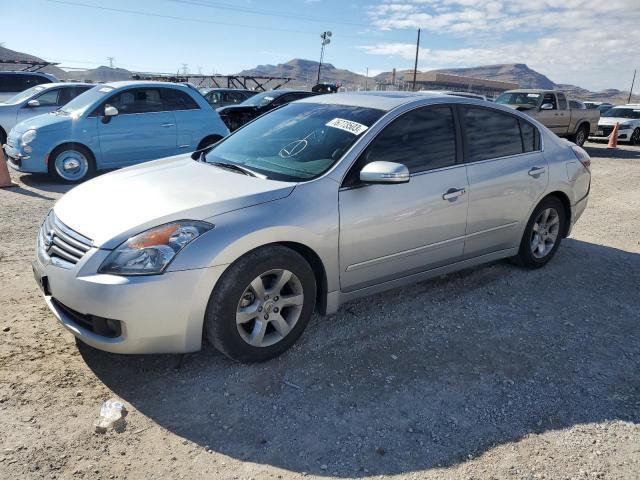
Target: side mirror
(109,112)
(384,172)
(546,106)
(33,103)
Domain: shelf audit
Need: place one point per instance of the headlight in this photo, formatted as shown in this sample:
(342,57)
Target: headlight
(28,137)
(626,126)
(150,252)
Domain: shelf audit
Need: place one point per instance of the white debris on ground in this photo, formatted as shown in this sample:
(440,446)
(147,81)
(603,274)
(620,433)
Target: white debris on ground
(112,416)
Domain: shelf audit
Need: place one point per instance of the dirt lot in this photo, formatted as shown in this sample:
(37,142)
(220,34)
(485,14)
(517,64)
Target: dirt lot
(495,372)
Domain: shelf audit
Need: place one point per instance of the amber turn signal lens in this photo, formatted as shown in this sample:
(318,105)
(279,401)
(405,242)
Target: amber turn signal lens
(157,236)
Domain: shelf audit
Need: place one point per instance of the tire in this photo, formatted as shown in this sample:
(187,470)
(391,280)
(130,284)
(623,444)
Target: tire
(63,160)
(236,317)
(581,135)
(635,137)
(552,230)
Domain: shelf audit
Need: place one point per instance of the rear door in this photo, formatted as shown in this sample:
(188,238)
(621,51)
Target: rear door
(507,175)
(143,129)
(393,230)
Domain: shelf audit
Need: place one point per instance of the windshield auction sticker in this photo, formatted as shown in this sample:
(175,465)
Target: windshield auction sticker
(347,125)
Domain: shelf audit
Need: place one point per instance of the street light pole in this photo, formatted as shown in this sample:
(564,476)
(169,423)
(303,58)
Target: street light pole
(326,39)
(415,66)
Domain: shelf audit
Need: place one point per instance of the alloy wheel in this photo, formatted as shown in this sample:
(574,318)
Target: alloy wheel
(269,308)
(544,233)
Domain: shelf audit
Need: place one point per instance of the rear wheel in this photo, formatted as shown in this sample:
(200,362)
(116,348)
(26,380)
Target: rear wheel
(581,135)
(261,305)
(543,233)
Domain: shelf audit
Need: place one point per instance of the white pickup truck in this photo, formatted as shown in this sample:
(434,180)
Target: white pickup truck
(551,108)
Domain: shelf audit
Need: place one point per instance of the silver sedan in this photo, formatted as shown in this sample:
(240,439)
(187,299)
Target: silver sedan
(316,203)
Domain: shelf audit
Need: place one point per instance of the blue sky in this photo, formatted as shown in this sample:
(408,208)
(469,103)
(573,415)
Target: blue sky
(571,41)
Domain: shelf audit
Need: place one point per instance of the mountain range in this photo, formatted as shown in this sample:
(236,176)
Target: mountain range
(304,73)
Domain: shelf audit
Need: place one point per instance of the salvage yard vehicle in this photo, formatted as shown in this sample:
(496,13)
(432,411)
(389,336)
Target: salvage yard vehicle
(551,108)
(221,97)
(602,106)
(316,203)
(628,118)
(16,82)
(114,125)
(35,101)
(234,116)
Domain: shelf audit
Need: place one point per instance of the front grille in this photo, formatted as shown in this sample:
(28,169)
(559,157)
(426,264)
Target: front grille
(606,130)
(60,242)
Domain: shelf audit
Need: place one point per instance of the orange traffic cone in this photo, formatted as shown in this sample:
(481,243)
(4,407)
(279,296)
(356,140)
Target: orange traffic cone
(5,178)
(613,138)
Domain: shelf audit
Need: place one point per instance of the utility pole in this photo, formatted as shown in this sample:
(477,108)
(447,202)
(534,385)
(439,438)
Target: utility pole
(415,66)
(631,89)
(326,40)
(366,80)
(185,68)
(111,59)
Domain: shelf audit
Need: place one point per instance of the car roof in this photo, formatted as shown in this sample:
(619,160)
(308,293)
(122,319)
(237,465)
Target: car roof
(145,83)
(379,100)
(66,84)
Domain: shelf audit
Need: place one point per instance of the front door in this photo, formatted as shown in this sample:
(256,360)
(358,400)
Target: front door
(507,175)
(552,119)
(144,129)
(393,230)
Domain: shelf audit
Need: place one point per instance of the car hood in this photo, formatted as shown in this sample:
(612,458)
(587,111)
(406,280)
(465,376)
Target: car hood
(614,120)
(111,208)
(46,121)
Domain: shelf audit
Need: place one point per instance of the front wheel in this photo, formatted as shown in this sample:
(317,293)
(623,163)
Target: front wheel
(543,234)
(635,137)
(261,305)
(71,164)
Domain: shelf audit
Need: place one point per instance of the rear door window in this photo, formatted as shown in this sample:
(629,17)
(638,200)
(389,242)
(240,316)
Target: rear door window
(562,101)
(176,100)
(491,134)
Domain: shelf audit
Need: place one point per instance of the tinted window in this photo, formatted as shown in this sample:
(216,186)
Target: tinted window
(18,83)
(530,136)
(422,139)
(562,101)
(491,134)
(69,93)
(49,98)
(177,100)
(235,97)
(139,100)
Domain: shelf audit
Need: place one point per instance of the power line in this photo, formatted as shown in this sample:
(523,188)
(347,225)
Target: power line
(269,13)
(187,19)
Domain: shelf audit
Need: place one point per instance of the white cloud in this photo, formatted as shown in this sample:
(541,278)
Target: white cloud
(572,41)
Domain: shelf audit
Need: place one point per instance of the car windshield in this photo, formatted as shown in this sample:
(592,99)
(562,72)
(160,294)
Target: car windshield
(297,142)
(79,104)
(22,96)
(522,99)
(622,113)
(261,99)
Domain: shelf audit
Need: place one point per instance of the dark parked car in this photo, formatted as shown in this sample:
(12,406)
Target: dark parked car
(221,97)
(234,116)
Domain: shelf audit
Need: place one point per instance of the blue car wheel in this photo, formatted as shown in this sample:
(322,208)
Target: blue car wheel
(72,164)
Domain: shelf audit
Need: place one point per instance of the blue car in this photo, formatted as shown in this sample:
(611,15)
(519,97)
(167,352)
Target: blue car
(114,125)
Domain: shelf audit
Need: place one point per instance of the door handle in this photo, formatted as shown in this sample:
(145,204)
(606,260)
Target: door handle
(536,171)
(453,193)
(167,125)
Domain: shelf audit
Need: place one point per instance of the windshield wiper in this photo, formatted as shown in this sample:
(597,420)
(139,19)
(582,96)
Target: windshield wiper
(235,167)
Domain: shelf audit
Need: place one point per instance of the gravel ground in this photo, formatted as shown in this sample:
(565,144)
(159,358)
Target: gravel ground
(494,372)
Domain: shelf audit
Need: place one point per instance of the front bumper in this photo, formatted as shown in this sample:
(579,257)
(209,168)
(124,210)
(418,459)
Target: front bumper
(604,133)
(32,162)
(155,314)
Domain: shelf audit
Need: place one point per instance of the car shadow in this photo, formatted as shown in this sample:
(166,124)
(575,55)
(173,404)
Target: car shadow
(44,183)
(427,375)
(600,150)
